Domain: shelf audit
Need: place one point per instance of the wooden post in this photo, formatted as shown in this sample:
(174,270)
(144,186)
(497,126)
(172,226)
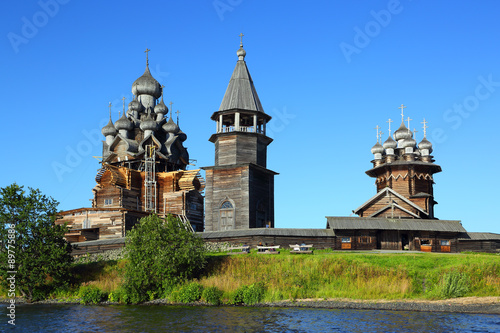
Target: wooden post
(237,122)
(255,123)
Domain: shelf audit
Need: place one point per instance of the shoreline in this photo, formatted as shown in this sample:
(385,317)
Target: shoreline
(477,305)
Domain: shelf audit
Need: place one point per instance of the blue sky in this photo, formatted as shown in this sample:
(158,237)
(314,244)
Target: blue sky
(327,72)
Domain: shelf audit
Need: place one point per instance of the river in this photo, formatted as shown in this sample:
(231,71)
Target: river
(148,318)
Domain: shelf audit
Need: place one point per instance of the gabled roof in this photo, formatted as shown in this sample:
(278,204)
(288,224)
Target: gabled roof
(366,223)
(267,232)
(394,205)
(385,192)
(241,93)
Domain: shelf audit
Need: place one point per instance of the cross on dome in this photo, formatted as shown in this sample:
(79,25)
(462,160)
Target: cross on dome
(378,132)
(241,39)
(123,99)
(425,127)
(408,120)
(389,121)
(402,113)
(178,117)
(147,59)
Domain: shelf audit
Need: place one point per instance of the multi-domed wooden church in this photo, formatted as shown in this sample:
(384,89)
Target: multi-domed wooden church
(145,170)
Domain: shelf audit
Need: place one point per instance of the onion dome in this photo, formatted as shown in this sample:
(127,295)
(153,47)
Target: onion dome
(377,149)
(161,107)
(148,123)
(123,123)
(182,136)
(390,143)
(109,129)
(241,53)
(135,105)
(170,127)
(402,133)
(425,144)
(146,84)
(408,142)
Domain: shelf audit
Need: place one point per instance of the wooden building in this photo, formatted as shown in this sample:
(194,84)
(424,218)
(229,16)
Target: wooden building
(144,171)
(239,190)
(404,176)
(361,233)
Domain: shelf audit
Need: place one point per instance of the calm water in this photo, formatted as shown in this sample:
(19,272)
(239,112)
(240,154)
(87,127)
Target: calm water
(76,318)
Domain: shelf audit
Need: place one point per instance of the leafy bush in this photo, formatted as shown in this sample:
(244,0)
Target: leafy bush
(91,294)
(160,253)
(237,296)
(190,292)
(454,284)
(254,293)
(212,295)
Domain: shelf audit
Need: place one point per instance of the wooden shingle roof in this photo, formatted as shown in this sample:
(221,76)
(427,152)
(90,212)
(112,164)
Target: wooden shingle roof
(364,223)
(241,93)
(288,232)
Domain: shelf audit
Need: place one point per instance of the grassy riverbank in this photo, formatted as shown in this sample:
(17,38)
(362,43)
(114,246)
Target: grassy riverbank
(324,275)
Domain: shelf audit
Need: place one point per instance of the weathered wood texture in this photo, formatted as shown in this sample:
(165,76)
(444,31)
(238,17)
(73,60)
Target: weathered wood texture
(120,194)
(249,188)
(239,147)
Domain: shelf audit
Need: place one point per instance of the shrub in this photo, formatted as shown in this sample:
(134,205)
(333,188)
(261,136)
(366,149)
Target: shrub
(91,294)
(160,253)
(454,284)
(254,293)
(237,296)
(212,295)
(190,292)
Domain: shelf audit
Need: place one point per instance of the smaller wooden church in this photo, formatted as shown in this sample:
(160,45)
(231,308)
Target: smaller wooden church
(144,171)
(401,214)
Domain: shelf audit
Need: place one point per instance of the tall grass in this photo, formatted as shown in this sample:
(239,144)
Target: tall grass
(330,275)
(356,276)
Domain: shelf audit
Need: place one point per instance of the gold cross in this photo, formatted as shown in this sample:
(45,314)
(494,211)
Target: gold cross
(389,121)
(425,127)
(241,39)
(402,114)
(147,59)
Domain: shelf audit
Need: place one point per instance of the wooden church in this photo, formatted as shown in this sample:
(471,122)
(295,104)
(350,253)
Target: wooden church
(401,214)
(144,171)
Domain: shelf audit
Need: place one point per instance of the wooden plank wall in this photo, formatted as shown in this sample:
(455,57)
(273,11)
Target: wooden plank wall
(109,222)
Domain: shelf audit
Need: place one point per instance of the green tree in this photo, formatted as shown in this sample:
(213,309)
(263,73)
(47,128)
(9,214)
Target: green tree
(160,253)
(32,245)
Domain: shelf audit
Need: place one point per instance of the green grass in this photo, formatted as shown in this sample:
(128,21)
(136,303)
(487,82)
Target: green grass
(353,275)
(326,274)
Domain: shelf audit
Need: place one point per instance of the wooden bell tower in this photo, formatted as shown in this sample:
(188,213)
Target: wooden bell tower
(239,191)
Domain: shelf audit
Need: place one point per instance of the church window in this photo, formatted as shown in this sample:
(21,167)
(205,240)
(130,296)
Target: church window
(226,205)
(108,202)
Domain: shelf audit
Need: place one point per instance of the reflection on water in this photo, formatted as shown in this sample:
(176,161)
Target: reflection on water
(78,318)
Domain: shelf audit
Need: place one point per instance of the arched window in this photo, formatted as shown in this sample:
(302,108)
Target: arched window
(226,215)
